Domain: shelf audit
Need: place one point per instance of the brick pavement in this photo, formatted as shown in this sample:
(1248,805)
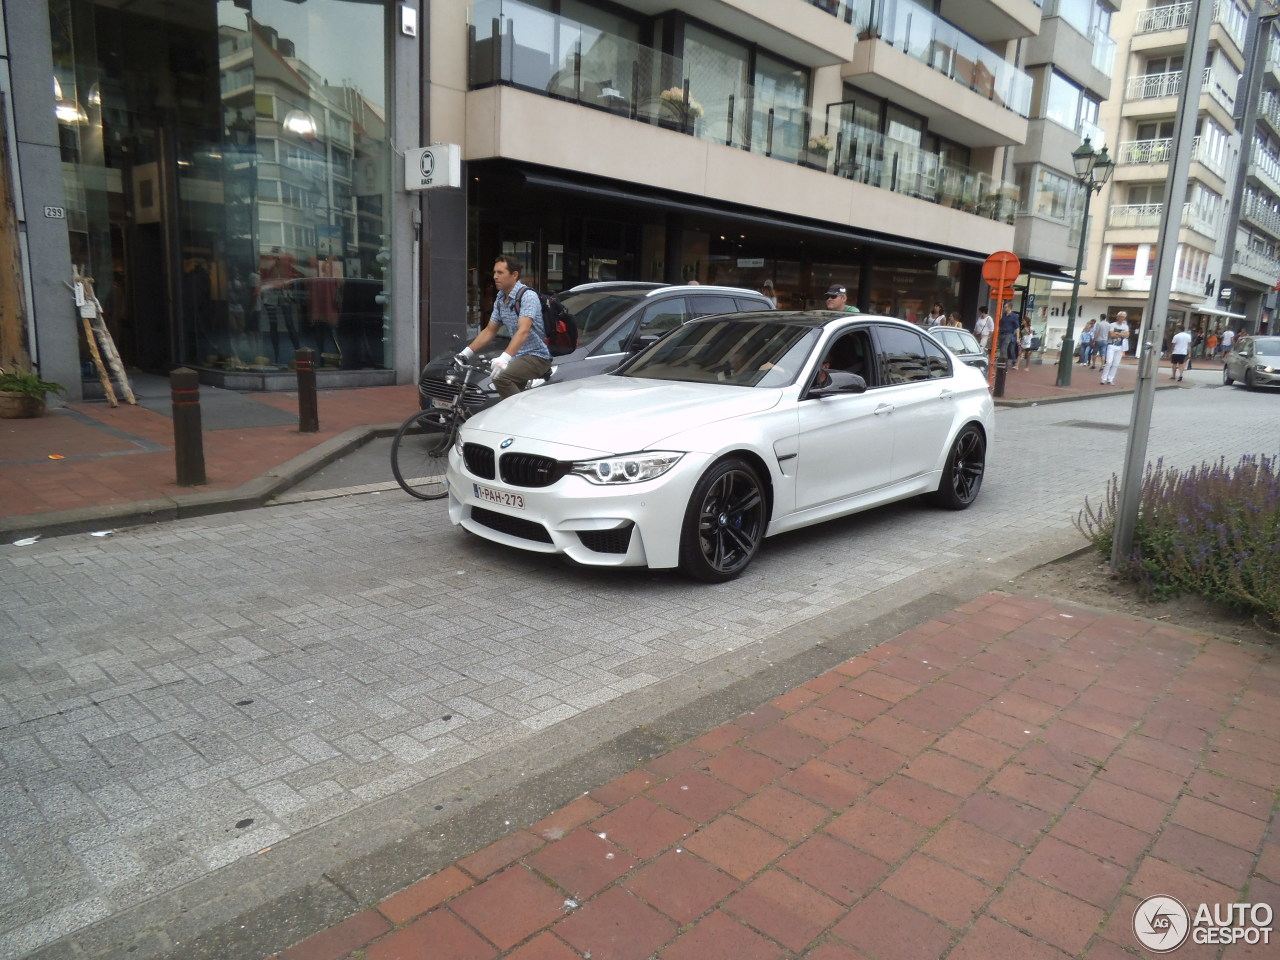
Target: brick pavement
(1008,780)
(111,457)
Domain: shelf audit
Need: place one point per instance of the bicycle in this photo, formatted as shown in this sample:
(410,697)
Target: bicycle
(420,450)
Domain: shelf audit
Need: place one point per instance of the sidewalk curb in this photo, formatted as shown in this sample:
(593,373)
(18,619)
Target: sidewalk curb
(255,493)
(1041,401)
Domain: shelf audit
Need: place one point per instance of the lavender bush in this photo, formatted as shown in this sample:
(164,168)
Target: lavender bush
(1213,530)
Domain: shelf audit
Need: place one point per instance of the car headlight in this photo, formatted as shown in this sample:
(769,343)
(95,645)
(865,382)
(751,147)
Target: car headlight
(629,468)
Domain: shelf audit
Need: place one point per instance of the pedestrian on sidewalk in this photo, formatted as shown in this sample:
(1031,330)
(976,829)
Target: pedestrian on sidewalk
(1086,344)
(983,327)
(953,320)
(1228,338)
(1179,347)
(1116,347)
(937,317)
(1026,343)
(1101,338)
(1008,343)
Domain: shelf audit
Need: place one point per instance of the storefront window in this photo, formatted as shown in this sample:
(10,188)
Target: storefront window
(229,181)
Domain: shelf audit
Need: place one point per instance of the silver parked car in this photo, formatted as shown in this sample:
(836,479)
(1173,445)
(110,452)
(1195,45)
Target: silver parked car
(962,343)
(1255,361)
(614,320)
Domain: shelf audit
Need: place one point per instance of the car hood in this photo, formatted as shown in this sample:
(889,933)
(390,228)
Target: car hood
(608,414)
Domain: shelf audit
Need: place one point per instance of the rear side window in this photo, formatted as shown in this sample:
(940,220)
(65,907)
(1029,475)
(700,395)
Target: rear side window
(904,357)
(708,305)
(747,304)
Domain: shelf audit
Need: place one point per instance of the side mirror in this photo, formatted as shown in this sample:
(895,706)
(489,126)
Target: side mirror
(643,340)
(841,383)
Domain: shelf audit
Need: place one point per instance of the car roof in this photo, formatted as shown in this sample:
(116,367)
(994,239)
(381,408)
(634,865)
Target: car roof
(818,318)
(649,288)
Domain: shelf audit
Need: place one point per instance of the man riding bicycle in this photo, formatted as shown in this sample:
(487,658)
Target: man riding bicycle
(518,309)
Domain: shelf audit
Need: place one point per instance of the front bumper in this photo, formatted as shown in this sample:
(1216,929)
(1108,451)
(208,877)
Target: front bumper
(1266,376)
(627,525)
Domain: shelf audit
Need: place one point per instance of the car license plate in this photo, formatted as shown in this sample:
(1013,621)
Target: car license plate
(442,404)
(499,497)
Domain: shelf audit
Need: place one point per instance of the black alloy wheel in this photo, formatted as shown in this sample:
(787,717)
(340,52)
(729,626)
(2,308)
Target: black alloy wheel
(962,474)
(724,522)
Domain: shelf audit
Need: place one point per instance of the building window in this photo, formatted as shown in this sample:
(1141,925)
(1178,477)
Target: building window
(1123,260)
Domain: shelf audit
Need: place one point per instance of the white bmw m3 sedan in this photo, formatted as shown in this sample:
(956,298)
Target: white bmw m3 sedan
(726,431)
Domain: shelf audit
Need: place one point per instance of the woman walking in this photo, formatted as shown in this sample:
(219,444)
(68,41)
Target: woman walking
(1086,345)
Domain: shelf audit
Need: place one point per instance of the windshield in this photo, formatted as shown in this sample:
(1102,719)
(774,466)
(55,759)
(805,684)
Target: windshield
(1267,346)
(735,351)
(593,310)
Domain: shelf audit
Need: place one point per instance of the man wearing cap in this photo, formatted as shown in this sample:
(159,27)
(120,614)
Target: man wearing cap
(838,299)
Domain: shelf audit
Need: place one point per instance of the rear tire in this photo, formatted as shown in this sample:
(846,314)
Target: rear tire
(963,472)
(724,522)
(420,454)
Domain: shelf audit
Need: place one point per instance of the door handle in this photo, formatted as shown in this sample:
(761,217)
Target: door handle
(946,395)
(883,408)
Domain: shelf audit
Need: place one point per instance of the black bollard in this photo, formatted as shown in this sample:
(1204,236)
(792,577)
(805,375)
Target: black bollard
(308,408)
(1002,366)
(188,438)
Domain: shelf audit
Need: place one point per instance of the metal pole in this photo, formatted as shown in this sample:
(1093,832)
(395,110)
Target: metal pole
(308,408)
(1184,129)
(1067,356)
(188,439)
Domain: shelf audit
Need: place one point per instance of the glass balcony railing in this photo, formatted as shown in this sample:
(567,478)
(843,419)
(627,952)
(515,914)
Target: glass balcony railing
(1104,53)
(840,9)
(521,46)
(1161,151)
(919,33)
(1177,16)
(1154,85)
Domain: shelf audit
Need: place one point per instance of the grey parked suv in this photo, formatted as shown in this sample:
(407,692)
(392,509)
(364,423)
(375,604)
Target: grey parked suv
(614,320)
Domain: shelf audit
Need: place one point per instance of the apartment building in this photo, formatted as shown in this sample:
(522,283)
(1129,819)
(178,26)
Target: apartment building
(1253,274)
(232,170)
(1139,121)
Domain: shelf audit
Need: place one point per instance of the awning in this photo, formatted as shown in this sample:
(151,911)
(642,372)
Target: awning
(1215,312)
(640,196)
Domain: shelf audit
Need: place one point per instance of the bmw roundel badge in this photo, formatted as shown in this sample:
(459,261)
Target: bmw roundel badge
(507,442)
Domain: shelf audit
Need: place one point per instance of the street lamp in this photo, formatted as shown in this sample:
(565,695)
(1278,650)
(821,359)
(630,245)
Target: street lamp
(1093,169)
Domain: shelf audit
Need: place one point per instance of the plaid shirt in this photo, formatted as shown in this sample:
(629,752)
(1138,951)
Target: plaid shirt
(522,302)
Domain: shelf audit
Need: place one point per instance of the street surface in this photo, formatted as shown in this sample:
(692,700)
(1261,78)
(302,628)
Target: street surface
(326,676)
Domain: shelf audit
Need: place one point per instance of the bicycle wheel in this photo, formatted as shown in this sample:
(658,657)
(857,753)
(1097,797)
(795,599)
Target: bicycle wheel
(420,454)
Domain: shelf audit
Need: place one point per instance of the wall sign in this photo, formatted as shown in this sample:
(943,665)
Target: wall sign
(439,165)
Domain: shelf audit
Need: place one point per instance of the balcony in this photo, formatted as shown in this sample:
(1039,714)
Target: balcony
(1153,86)
(989,20)
(1147,216)
(1263,215)
(1104,53)
(1150,152)
(518,46)
(915,31)
(1269,110)
(1265,166)
(1256,265)
(1177,16)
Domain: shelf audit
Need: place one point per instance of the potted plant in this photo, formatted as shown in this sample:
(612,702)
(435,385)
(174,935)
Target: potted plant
(22,394)
(817,147)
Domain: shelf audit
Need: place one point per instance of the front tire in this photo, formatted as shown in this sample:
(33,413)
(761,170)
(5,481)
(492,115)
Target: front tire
(962,475)
(1249,383)
(420,454)
(724,522)
(1227,379)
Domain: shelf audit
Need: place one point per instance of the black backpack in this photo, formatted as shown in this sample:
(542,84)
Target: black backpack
(557,323)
